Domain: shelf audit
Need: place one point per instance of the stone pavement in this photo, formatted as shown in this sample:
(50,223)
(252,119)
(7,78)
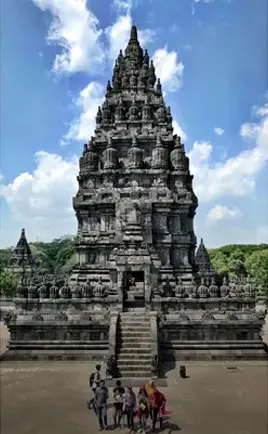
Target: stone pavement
(50,397)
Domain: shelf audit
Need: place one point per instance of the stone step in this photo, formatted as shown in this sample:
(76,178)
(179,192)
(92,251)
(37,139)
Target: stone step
(134,327)
(138,318)
(133,357)
(134,342)
(130,351)
(133,362)
(140,373)
(134,334)
(135,323)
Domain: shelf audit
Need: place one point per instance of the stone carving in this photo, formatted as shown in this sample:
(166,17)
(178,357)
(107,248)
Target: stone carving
(61,316)
(224,290)
(99,289)
(37,316)
(111,370)
(249,289)
(231,316)
(207,316)
(191,289)
(21,260)
(202,290)
(179,289)
(87,290)
(76,290)
(42,290)
(53,290)
(167,289)
(183,316)
(64,291)
(155,365)
(9,317)
(85,316)
(22,288)
(32,289)
(213,289)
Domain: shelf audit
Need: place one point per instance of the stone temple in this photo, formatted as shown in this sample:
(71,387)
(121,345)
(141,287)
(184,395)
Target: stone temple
(138,295)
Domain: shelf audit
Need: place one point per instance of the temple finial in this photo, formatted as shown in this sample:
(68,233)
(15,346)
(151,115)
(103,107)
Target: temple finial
(133,33)
(22,233)
(201,241)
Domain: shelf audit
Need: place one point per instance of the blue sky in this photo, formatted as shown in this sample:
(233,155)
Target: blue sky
(211,56)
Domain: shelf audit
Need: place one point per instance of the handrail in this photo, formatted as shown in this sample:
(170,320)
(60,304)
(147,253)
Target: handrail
(111,363)
(155,362)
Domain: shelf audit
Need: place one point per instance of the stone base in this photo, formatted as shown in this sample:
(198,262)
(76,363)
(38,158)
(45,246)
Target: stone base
(214,351)
(43,355)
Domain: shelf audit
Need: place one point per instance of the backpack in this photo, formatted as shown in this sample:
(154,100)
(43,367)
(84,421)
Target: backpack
(91,379)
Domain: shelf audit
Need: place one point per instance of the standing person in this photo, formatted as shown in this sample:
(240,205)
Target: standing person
(157,403)
(94,381)
(100,401)
(143,408)
(118,394)
(129,407)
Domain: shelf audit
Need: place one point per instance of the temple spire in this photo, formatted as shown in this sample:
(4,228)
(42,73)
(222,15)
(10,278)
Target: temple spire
(133,34)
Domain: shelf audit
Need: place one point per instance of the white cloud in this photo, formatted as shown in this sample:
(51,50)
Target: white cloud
(179,131)
(75,30)
(235,176)
(220,212)
(118,35)
(168,69)
(87,102)
(42,200)
(219,131)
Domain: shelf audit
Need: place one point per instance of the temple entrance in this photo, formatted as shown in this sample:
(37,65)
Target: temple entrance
(134,295)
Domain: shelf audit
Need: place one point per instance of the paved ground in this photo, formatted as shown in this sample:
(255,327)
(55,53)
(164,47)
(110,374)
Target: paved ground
(50,397)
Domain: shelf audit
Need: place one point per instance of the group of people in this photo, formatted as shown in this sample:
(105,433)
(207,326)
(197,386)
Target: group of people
(149,403)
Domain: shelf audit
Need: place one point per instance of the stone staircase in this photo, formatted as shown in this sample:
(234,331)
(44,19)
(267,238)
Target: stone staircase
(134,344)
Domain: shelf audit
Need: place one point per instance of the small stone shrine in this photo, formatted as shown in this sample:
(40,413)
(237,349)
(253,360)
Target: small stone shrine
(21,261)
(138,290)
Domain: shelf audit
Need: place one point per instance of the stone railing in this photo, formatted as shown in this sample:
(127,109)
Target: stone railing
(155,356)
(111,363)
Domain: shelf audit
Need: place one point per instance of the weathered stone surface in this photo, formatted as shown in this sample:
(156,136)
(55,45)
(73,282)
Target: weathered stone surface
(135,243)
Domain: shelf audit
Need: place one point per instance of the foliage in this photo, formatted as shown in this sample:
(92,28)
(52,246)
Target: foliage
(8,283)
(257,267)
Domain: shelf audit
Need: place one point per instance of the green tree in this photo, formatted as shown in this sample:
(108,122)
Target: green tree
(257,267)
(8,283)
(236,263)
(220,262)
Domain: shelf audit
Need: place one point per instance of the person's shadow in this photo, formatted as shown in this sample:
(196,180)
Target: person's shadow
(168,427)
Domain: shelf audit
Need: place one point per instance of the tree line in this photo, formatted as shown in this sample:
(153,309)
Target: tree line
(59,257)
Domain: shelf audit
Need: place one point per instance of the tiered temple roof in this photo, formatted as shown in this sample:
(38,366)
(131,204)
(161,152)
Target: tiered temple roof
(203,261)
(21,259)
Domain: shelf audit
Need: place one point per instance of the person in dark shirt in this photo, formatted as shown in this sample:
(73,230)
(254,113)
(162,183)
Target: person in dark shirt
(94,381)
(100,401)
(118,395)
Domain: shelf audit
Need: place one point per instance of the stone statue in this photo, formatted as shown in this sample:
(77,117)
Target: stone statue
(9,317)
(42,290)
(99,289)
(111,370)
(224,290)
(155,365)
(179,289)
(87,290)
(202,290)
(64,291)
(213,289)
(32,289)
(249,289)
(167,289)
(76,290)
(61,316)
(37,316)
(53,290)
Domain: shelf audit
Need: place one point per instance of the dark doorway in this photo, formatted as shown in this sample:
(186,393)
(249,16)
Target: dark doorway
(134,289)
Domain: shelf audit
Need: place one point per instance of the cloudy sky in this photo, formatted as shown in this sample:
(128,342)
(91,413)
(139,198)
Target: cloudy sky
(211,56)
